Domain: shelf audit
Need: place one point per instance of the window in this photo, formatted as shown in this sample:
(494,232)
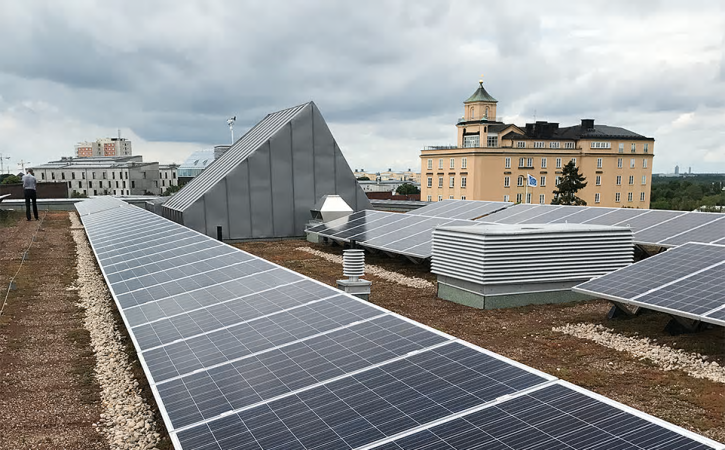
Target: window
(440,163)
(543,163)
(42,176)
(453,163)
(62,175)
(629,196)
(440,198)
(90,184)
(542,198)
(471,115)
(133,184)
(463,182)
(631,163)
(440,182)
(646,148)
(634,147)
(83,175)
(599,180)
(574,161)
(601,145)
(597,197)
(463,197)
(557,180)
(644,163)
(538,144)
(492,141)
(522,161)
(430,198)
(617,197)
(486,115)
(452,182)
(450,197)
(116,184)
(471,141)
(568,145)
(464,163)
(619,163)
(631,179)
(521,144)
(520,181)
(528,197)
(554,144)
(621,147)
(543,181)
(430,182)
(644,179)
(430,164)
(506,181)
(80,185)
(506,198)
(526,162)
(518,198)
(558,163)
(619,180)
(124,185)
(72,175)
(52,175)
(599,163)
(508,163)
(105,175)
(641,196)
(113,175)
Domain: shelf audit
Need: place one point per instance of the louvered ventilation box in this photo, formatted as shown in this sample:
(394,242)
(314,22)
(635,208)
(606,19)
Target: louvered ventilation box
(498,266)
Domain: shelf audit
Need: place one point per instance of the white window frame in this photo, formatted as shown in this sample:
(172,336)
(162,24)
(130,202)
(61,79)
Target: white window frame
(641,196)
(554,144)
(630,197)
(491,141)
(574,160)
(519,197)
(521,144)
(440,198)
(464,163)
(621,147)
(631,163)
(464,181)
(620,163)
(568,145)
(599,163)
(542,199)
(598,180)
(472,141)
(619,180)
(452,182)
(528,198)
(507,163)
(440,163)
(529,162)
(634,147)
(450,197)
(617,197)
(440,182)
(646,147)
(644,179)
(430,198)
(543,163)
(558,163)
(644,163)
(507,181)
(520,181)
(539,144)
(453,163)
(631,180)
(543,180)
(430,182)
(506,198)
(597,197)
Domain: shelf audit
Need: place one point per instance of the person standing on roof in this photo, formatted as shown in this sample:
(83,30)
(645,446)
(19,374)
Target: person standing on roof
(29,187)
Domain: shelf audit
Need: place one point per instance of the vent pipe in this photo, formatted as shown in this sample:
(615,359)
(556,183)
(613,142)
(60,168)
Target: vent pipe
(353,267)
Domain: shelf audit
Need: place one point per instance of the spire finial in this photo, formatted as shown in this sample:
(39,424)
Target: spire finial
(480,81)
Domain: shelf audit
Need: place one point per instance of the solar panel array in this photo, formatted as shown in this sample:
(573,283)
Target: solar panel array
(408,234)
(242,353)
(685,281)
(650,226)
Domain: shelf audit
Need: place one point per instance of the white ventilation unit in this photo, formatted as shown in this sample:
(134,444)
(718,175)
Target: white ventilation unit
(499,260)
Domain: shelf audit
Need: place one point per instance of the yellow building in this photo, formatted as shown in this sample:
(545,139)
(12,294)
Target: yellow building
(492,160)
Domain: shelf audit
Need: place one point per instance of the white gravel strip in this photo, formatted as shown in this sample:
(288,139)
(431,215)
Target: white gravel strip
(127,421)
(666,357)
(374,270)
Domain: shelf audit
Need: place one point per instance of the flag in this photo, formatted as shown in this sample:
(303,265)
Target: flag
(531,181)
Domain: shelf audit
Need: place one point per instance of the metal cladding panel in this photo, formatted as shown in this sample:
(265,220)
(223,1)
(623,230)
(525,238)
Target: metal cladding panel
(304,195)
(324,156)
(347,187)
(194,217)
(283,211)
(215,210)
(260,193)
(240,217)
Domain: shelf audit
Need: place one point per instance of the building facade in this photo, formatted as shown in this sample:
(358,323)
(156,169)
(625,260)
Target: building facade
(105,175)
(389,175)
(492,160)
(104,147)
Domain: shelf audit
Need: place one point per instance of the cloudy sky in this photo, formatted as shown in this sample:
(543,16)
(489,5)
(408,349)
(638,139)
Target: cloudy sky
(389,76)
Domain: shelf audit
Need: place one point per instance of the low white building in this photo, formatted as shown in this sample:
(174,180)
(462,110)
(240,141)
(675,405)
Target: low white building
(126,175)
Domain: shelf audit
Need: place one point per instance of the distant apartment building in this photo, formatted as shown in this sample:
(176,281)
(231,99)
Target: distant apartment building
(492,160)
(168,176)
(104,147)
(107,175)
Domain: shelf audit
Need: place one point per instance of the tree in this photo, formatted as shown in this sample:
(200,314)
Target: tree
(171,190)
(407,189)
(570,183)
(12,179)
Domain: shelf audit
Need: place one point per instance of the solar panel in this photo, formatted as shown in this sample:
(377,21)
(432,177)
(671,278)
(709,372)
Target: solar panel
(460,209)
(556,416)
(241,353)
(685,281)
(98,204)
(648,219)
(678,225)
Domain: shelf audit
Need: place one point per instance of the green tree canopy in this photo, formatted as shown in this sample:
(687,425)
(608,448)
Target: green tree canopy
(12,179)
(570,183)
(171,190)
(407,189)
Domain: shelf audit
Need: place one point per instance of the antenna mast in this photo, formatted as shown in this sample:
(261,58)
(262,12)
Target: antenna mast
(230,122)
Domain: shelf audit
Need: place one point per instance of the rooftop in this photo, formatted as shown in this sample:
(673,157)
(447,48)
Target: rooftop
(481,95)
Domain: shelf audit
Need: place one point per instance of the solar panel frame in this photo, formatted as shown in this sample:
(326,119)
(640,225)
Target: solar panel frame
(676,226)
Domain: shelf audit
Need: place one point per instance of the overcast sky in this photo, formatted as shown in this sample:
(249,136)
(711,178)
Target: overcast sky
(388,76)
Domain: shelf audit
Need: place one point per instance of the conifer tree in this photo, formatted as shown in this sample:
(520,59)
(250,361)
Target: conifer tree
(570,183)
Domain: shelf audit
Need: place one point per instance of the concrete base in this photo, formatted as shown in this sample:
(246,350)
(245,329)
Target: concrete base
(313,237)
(359,288)
(510,300)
